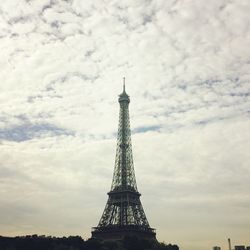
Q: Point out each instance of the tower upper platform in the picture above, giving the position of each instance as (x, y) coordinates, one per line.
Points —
(124, 97)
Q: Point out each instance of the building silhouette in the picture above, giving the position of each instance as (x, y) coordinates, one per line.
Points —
(123, 214)
(216, 248)
(241, 247)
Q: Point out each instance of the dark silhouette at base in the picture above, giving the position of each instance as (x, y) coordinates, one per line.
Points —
(35, 242)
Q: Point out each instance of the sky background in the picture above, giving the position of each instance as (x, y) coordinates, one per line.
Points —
(187, 68)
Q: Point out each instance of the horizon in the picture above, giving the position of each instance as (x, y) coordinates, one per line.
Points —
(187, 68)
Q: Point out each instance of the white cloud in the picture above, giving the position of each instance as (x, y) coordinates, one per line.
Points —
(187, 70)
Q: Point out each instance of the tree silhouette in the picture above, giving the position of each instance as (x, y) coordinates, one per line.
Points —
(35, 242)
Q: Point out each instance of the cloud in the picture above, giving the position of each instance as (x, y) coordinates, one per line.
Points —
(187, 72)
(27, 131)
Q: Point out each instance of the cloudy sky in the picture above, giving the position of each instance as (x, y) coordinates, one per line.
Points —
(187, 68)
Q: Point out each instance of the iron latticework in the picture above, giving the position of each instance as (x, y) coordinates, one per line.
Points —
(123, 213)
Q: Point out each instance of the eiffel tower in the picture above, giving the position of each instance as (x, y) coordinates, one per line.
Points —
(123, 214)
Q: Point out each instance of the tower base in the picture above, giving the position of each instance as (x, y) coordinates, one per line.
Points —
(116, 232)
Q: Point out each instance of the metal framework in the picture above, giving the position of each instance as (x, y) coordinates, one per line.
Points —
(123, 213)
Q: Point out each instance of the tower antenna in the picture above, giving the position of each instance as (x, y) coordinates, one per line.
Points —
(123, 84)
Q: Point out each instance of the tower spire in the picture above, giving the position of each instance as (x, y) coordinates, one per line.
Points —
(123, 213)
(124, 91)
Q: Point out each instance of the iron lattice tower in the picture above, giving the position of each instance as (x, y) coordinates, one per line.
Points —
(123, 214)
